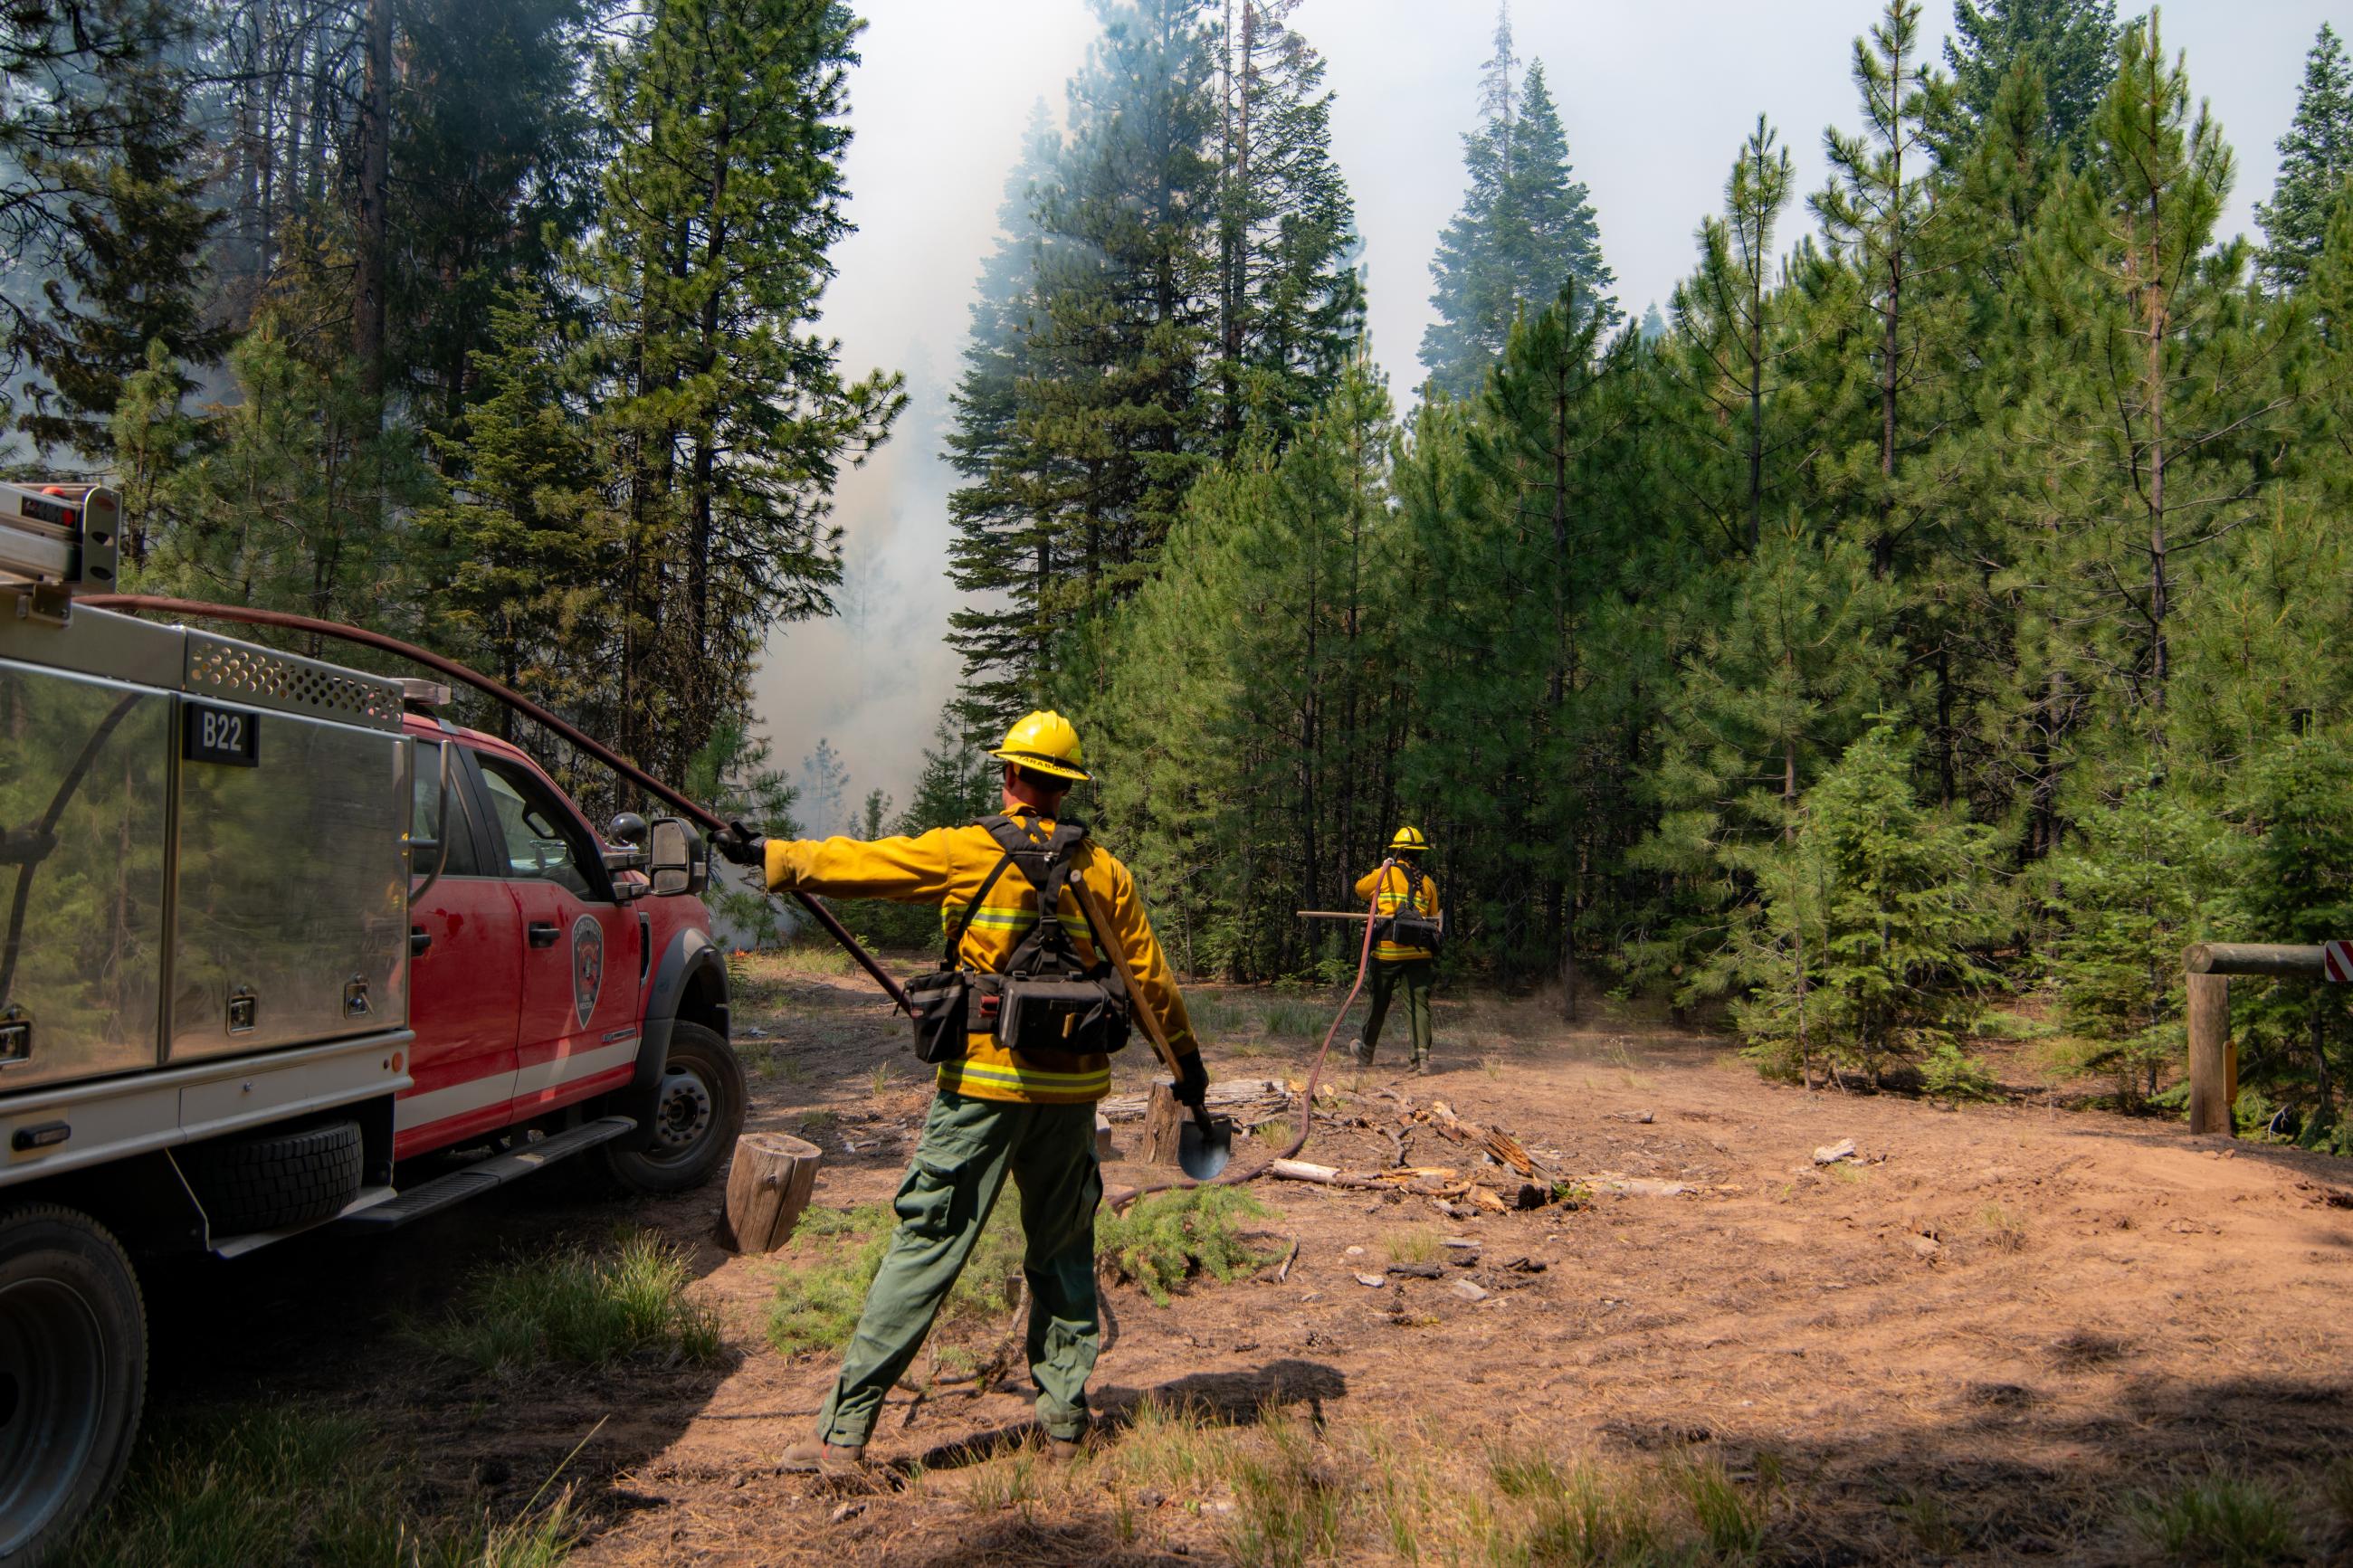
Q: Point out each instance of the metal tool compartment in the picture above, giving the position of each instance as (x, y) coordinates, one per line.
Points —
(291, 907)
(84, 767)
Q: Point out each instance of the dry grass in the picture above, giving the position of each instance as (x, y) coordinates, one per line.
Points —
(2004, 1231)
(1278, 1489)
(273, 1484)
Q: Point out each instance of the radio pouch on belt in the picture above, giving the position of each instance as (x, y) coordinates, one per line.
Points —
(1407, 926)
(1048, 999)
(942, 1000)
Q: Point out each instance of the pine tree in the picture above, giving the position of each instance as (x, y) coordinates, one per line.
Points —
(1113, 424)
(112, 195)
(1790, 663)
(491, 173)
(2071, 46)
(823, 791)
(1002, 553)
(1290, 304)
(726, 413)
(2167, 396)
(1543, 424)
(1732, 342)
(1865, 949)
(2137, 885)
(2315, 161)
(1882, 220)
(1526, 230)
(732, 773)
(287, 503)
(520, 560)
(956, 784)
(2295, 884)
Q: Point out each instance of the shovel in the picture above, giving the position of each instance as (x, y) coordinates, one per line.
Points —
(1205, 1145)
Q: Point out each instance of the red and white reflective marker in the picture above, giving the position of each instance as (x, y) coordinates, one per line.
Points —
(2336, 960)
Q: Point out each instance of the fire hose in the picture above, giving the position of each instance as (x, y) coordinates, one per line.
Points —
(512, 698)
(713, 823)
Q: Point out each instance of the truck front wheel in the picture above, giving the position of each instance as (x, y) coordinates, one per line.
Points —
(697, 1111)
(73, 1373)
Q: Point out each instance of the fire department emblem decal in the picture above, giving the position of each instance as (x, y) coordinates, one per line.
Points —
(588, 966)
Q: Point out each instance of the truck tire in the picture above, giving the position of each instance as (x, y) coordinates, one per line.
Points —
(697, 1111)
(73, 1374)
(276, 1180)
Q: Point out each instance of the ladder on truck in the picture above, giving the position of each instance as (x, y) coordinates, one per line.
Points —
(54, 540)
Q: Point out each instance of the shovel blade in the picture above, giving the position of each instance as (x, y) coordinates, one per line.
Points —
(1205, 1147)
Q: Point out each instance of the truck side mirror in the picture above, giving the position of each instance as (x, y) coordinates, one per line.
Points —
(670, 861)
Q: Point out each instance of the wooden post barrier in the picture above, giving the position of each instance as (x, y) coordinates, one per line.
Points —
(2213, 1056)
(2210, 1048)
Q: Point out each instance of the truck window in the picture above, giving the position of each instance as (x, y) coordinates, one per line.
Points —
(463, 861)
(543, 843)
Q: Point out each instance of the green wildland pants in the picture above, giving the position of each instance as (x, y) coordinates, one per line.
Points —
(1414, 974)
(967, 1149)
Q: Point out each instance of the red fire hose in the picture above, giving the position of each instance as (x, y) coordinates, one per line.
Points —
(514, 700)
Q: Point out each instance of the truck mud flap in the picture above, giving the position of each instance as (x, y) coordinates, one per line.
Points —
(441, 1192)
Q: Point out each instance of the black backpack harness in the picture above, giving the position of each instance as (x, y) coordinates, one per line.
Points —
(1406, 925)
(1046, 999)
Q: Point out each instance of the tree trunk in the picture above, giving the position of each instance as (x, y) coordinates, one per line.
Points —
(1163, 1127)
(375, 137)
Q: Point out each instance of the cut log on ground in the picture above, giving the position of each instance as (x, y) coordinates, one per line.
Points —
(1321, 1175)
(767, 1187)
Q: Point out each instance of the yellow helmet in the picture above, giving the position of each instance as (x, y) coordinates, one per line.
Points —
(1409, 841)
(1044, 742)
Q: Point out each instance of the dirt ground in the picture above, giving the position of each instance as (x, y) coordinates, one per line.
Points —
(1979, 1342)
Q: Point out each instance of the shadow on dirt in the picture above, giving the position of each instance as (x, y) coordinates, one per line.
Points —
(1963, 1485)
(1222, 1398)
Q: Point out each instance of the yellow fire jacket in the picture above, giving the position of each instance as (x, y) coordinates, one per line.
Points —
(947, 866)
(1393, 893)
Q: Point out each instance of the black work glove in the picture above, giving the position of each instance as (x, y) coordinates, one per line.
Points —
(740, 845)
(26, 846)
(1192, 1080)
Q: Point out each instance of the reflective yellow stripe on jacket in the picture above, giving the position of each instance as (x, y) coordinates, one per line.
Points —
(1393, 893)
(947, 867)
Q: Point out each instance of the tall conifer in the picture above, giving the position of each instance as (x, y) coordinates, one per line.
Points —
(2315, 162)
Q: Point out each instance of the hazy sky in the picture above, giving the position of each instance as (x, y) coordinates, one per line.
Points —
(1655, 98)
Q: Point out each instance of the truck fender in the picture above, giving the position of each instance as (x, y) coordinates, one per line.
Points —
(689, 981)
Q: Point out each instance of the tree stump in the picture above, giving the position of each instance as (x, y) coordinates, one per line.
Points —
(1163, 1127)
(767, 1187)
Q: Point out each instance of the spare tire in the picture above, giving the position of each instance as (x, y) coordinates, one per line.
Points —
(276, 1180)
(73, 1374)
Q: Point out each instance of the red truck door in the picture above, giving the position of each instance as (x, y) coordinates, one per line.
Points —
(465, 987)
(579, 1029)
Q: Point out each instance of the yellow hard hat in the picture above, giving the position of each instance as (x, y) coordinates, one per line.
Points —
(1044, 742)
(1410, 841)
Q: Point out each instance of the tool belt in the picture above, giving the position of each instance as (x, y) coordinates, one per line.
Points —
(1046, 999)
(1406, 925)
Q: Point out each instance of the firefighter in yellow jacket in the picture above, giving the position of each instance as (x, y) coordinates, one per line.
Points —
(1400, 886)
(1029, 1114)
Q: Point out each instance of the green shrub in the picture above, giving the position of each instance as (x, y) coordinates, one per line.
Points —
(1163, 1239)
(1949, 1073)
